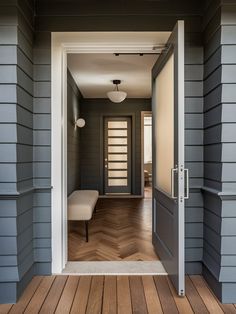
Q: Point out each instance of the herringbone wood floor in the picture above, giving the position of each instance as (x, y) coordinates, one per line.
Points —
(120, 230)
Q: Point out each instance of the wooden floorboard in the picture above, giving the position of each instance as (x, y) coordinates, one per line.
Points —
(81, 296)
(115, 294)
(121, 229)
(110, 296)
(94, 305)
(206, 295)
(26, 296)
(137, 295)
(165, 295)
(123, 295)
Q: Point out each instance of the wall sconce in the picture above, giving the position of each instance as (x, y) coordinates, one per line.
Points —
(80, 123)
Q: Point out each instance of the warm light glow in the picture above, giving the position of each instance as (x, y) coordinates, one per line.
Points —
(80, 123)
(116, 96)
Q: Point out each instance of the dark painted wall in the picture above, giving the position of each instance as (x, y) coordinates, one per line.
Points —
(73, 135)
(219, 256)
(25, 129)
(93, 111)
(148, 15)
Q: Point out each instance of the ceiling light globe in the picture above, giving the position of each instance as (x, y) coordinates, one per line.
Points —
(117, 96)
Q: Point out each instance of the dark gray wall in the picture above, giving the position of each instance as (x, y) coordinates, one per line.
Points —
(149, 15)
(25, 212)
(219, 256)
(194, 152)
(16, 145)
(73, 135)
(91, 148)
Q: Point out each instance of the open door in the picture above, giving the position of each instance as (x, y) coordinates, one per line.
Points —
(168, 158)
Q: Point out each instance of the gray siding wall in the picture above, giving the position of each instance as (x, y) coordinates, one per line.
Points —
(194, 152)
(73, 135)
(23, 141)
(219, 256)
(93, 111)
(151, 16)
(42, 152)
(16, 146)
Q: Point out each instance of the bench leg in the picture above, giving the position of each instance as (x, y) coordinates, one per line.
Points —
(86, 230)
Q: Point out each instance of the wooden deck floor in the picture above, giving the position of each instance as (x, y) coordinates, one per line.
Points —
(111, 294)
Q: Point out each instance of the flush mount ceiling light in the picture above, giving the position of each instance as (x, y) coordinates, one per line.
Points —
(116, 95)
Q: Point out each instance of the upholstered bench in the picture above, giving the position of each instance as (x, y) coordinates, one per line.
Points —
(80, 206)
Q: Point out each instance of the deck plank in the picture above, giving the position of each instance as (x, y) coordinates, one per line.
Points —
(67, 296)
(165, 295)
(123, 295)
(206, 295)
(182, 303)
(81, 296)
(41, 293)
(20, 306)
(109, 296)
(151, 295)
(53, 297)
(194, 298)
(5, 308)
(95, 297)
(137, 295)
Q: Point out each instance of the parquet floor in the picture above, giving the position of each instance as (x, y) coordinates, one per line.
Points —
(120, 230)
(111, 295)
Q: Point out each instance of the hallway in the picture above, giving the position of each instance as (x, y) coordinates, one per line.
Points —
(119, 230)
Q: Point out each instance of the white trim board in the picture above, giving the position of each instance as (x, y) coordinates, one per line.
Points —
(115, 268)
(62, 44)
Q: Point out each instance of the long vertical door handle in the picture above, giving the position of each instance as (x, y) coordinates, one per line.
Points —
(186, 176)
(173, 171)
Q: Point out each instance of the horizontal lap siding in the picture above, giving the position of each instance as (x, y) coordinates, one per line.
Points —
(16, 162)
(61, 17)
(42, 153)
(219, 152)
(194, 153)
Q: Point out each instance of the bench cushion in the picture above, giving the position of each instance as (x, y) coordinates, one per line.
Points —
(81, 204)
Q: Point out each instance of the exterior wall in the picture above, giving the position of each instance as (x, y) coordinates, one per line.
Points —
(16, 145)
(25, 190)
(194, 152)
(150, 16)
(220, 150)
(93, 110)
(42, 154)
(73, 135)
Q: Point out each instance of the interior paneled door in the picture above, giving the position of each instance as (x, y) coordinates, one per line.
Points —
(117, 155)
(168, 158)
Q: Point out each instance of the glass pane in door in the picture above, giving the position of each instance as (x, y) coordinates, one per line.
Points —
(164, 120)
(117, 154)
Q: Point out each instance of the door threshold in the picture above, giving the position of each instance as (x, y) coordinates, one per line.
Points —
(114, 268)
(120, 196)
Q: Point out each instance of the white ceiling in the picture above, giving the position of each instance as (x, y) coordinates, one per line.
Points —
(94, 72)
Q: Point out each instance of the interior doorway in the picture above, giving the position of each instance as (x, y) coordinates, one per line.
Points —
(126, 42)
(117, 155)
(146, 138)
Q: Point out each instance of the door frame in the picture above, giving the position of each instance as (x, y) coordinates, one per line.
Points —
(143, 114)
(63, 43)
